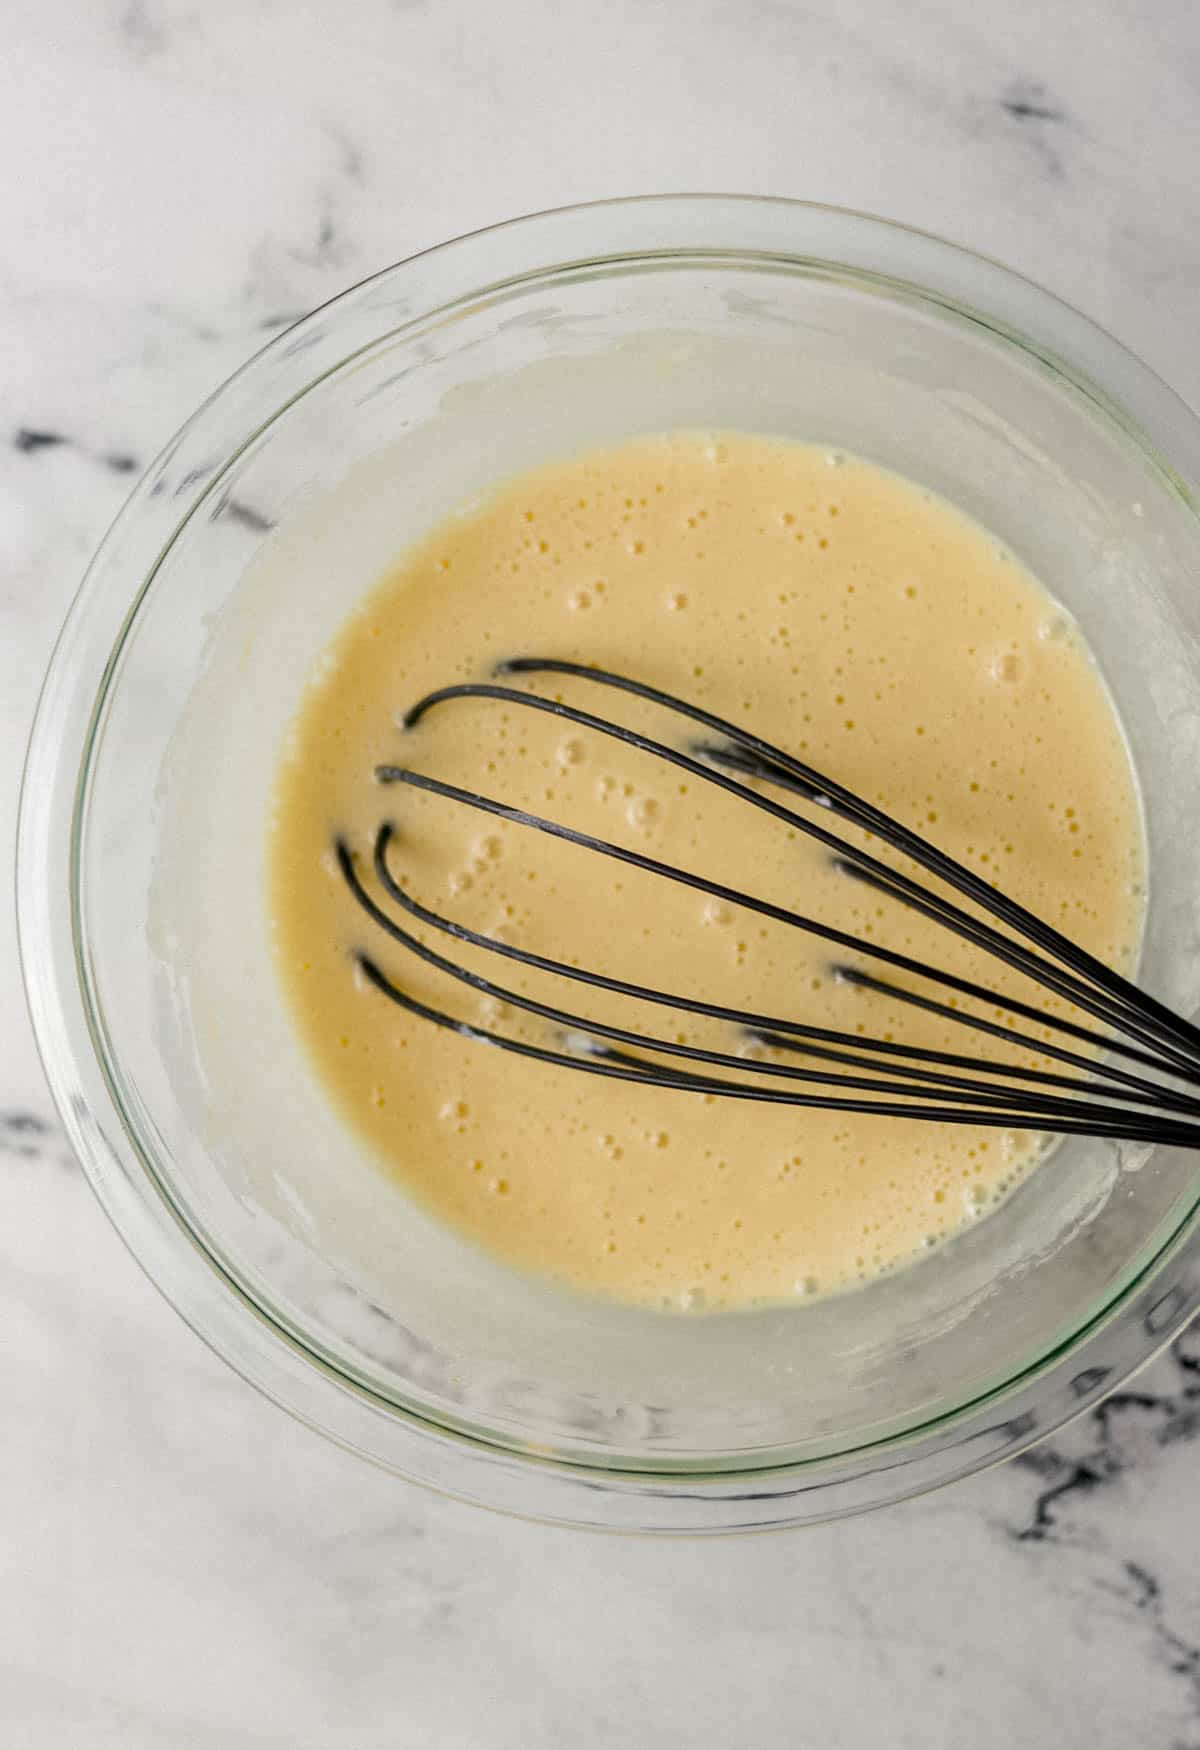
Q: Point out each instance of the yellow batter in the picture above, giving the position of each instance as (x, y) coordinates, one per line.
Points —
(838, 611)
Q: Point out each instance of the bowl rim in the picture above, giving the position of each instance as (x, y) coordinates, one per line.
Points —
(1000, 1420)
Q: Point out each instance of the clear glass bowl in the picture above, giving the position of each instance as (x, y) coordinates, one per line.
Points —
(141, 853)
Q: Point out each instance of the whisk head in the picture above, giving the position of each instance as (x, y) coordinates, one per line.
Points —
(1124, 1069)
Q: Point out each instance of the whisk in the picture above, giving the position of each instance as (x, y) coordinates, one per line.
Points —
(1126, 1078)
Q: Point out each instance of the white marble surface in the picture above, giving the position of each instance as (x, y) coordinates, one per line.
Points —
(179, 1564)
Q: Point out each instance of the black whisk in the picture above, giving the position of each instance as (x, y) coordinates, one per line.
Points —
(849, 1072)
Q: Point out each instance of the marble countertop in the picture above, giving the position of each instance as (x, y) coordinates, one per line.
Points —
(180, 1565)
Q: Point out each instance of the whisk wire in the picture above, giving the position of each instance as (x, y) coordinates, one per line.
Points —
(878, 1075)
(822, 788)
(1119, 1004)
(755, 1025)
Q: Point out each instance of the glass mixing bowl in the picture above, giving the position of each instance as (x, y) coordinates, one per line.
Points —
(146, 796)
